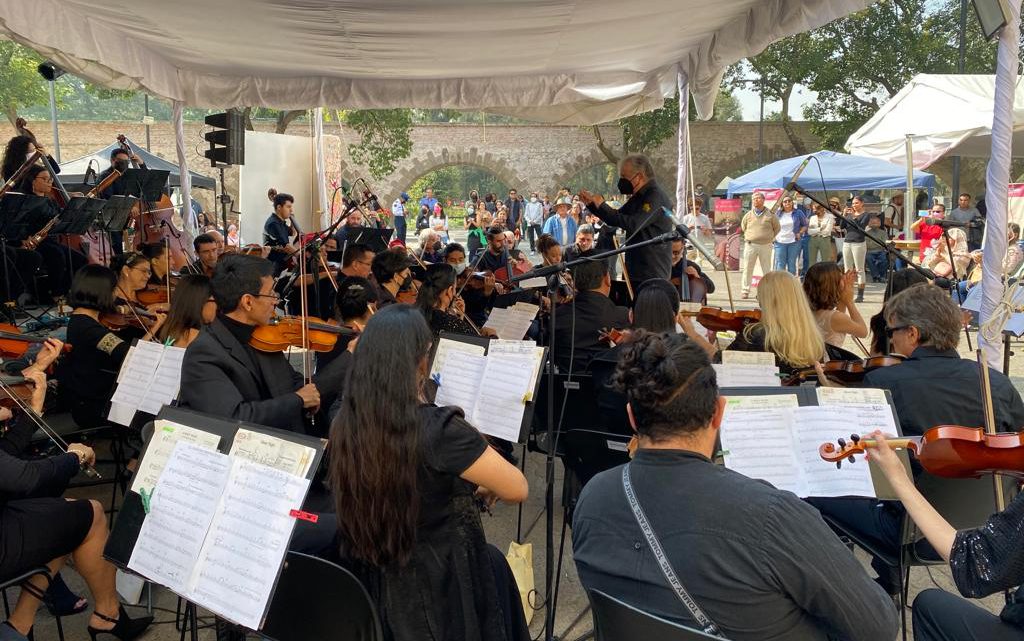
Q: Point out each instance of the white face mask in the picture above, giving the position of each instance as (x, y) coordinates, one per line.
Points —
(533, 200)
(461, 267)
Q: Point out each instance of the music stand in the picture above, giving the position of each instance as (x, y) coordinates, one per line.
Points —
(376, 239)
(113, 216)
(78, 215)
(145, 184)
(19, 213)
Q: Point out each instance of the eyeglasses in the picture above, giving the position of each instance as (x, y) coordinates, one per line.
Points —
(145, 270)
(889, 331)
(275, 296)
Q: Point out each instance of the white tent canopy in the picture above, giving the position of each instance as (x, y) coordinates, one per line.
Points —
(567, 61)
(945, 114)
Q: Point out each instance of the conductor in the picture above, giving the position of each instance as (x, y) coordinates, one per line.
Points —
(642, 218)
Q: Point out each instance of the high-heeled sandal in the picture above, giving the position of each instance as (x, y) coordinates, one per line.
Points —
(125, 628)
(61, 601)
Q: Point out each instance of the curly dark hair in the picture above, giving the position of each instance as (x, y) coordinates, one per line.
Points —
(669, 383)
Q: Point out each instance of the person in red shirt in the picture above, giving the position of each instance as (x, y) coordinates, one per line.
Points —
(928, 233)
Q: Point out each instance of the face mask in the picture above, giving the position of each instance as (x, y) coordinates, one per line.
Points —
(406, 283)
(625, 186)
(121, 165)
(461, 267)
(533, 200)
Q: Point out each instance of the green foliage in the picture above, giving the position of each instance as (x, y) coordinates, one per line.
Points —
(456, 181)
(20, 83)
(383, 138)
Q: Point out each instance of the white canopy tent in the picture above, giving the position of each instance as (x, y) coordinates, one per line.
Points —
(944, 115)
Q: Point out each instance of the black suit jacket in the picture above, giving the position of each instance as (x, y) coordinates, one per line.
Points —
(577, 333)
(222, 377)
(642, 215)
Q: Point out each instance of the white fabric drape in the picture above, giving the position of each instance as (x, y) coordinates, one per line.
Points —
(682, 85)
(997, 178)
(321, 167)
(188, 220)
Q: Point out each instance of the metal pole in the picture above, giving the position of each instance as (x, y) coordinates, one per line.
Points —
(910, 200)
(53, 121)
(146, 98)
(960, 65)
(760, 127)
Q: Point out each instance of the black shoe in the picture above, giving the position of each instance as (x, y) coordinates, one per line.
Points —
(124, 628)
(61, 601)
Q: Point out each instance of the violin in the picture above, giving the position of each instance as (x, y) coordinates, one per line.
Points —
(153, 295)
(949, 451)
(614, 336)
(15, 395)
(14, 344)
(287, 331)
(720, 320)
(846, 371)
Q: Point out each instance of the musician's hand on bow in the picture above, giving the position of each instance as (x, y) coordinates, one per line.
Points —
(692, 271)
(38, 380)
(85, 453)
(823, 380)
(310, 396)
(5, 414)
(488, 331)
(488, 283)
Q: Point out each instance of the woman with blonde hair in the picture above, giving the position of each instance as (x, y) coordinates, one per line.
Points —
(787, 327)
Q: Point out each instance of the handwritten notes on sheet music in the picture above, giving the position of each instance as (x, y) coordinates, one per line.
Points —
(770, 438)
(218, 530)
(286, 456)
(166, 435)
(149, 379)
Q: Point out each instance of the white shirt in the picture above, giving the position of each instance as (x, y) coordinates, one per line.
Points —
(699, 222)
(398, 207)
(785, 235)
(534, 213)
(821, 226)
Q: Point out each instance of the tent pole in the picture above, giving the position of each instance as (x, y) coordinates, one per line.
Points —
(997, 180)
(682, 139)
(911, 197)
(188, 221)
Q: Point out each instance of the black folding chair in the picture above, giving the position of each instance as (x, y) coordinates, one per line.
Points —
(618, 621)
(19, 580)
(317, 599)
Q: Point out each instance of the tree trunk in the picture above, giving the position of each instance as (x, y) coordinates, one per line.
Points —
(787, 125)
(247, 118)
(12, 113)
(285, 118)
(605, 149)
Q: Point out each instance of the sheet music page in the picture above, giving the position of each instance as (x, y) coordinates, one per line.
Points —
(512, 323)
(761, 402)
(182, 508)
(506, 380)
(529, 347)
(850, 396)
(817, 425)
(127, 357)
(136, 371)
(287, 456)
(738, 357)
(238, 565)
(446, 346)
(165, 381)
(758, 443)
(747, 375)
(458, 382)
(167, 434)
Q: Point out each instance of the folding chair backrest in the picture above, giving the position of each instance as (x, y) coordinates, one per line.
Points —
(316, 599)
(618, 621)
(589, 452)
(964, 503)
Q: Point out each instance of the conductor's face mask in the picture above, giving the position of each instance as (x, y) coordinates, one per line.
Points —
(625, 185)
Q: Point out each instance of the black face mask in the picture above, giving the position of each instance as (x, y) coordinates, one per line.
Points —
(406, 283)
(121, 165)
(437, 246)
(625, 186)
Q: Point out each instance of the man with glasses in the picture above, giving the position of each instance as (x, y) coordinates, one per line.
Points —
(224, 376)
(357, 260)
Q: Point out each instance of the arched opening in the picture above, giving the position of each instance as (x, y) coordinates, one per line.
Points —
(600, 179)
(452, 185)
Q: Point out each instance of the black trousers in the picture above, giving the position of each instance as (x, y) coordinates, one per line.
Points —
(533, 232)
(22, 265)
(941, 616)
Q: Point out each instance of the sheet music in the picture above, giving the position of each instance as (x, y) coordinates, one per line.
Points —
(850, 396)
(237, 567)
(512, 322)
(166, 435)
(529, 347)
(738, 357)
(271, 451)
(506, 379)
(759, 443)
(446, 346)
(166, 381)
(149, 378)
(747, 375)
(817, 425)
(182, 508)
(460, 379)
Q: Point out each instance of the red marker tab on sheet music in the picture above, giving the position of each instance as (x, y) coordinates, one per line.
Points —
(305, 516)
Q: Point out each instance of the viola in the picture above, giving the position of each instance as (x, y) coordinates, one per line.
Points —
(14, 344)
(614, 336)
(846, 371)
(153, 295)
(720, 320)
(15, 395)
(286, 331)
(949, 451)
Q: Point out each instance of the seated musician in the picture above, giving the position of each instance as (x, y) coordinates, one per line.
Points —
(831, 295)
(356, 261)
(430, 247)
(391, 272)
(319, 281)
(758, 562)
(679, 260)
(982, 560)
(133, 273)
(223, 375)
(156, 254)
(192, 306)
(933, 387)
(87, 374)
(281, 232)
(355, 304)
(495, 256)
(60, 261)
(441, 306)
(579, 323)
(206, 255)
(479, 292)
(787, 327)
(404, 474)
(584, 243)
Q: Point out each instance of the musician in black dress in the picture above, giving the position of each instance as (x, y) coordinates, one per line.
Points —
(60, 260)
(443, 309)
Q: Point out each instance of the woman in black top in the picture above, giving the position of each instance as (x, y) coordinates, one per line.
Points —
(444, 311)
(61, 261)
(192, 306)
(404, 474)
(156, 254)
(87, 374)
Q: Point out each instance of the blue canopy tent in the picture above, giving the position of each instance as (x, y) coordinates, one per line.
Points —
(838, 172)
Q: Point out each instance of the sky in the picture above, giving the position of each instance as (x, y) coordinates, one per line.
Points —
(750, 101)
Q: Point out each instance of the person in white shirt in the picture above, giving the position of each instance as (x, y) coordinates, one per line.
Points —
(439, 223)
(700, 227)
(819, 227)
(398, 212)
(534, 216)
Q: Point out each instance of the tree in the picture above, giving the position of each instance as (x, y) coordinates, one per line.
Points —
(20, 83)
(643, 132)
(383, 138)
(779, 69)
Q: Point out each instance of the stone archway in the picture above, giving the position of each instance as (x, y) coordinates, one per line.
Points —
(420, 166)
(580, 163)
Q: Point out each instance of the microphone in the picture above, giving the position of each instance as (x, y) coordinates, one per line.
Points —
(791, 186)
(942, 222)
(684, 233)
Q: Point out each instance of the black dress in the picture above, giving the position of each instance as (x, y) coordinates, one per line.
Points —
(87, 374)
(448, 590)
(444, 322)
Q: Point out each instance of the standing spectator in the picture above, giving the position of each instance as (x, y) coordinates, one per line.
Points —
(561, 226)
(855, 244)
(490, 203)
(702, 198)
(792, 227)
(966, 213)
(699, 224)
(893, 214)
(759, 229)
(546, 206)
(819, 233)
(533, 216)
(576, 212)
(398, 212)
(514, 208)
(439, 223)
(428, 200)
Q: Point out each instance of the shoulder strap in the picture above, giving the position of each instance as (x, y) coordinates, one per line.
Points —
(705, 623)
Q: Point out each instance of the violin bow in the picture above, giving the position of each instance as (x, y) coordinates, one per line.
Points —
(45, 428)
(131, 309)
(625, 272)
(990, 423)
(167, 276)
(476, 264)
